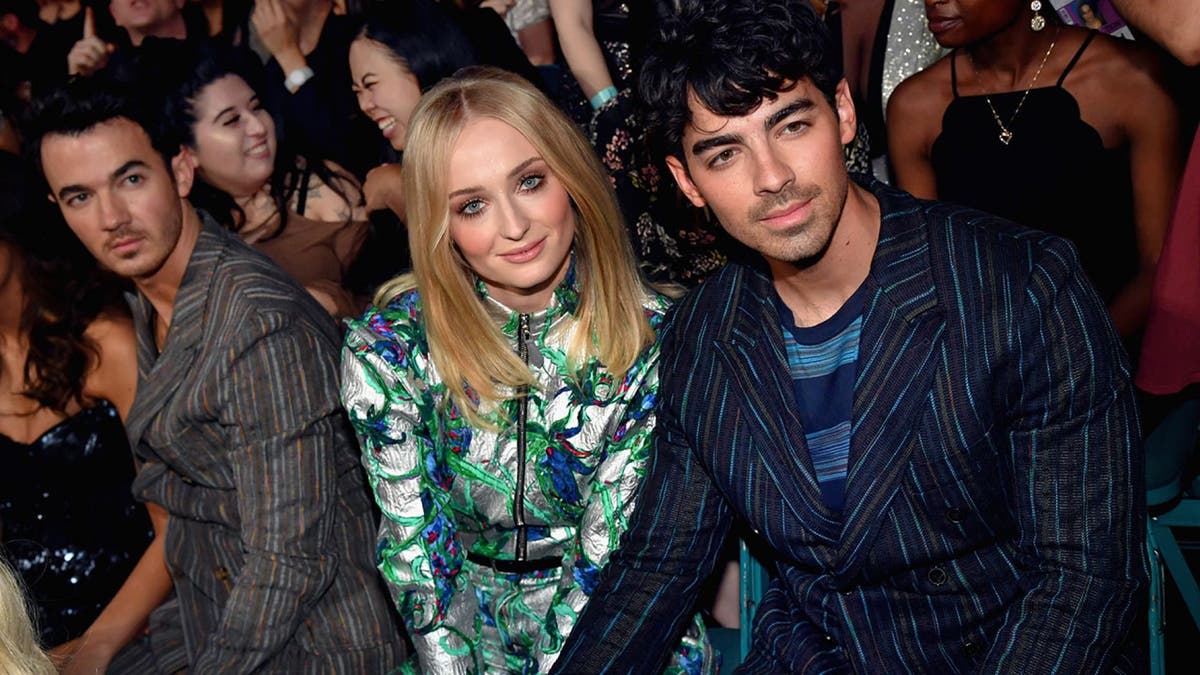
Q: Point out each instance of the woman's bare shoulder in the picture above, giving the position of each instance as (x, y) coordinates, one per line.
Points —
(113, 376)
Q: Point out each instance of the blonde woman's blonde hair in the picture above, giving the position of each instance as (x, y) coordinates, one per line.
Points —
(20, 653)
(464, 342)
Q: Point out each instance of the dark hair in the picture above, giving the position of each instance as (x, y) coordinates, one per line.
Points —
(180, 72)
(83, 103)
(26, 11)
(732, 54)
(64, 291)
(421, 36)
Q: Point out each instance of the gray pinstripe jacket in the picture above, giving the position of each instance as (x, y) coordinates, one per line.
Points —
(242, 439)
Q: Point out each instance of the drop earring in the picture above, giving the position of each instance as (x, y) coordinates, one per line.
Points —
(1038, 22)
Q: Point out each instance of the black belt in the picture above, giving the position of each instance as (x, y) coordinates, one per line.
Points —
(515, 566)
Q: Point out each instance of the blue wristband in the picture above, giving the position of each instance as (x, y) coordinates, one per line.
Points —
(603, 96)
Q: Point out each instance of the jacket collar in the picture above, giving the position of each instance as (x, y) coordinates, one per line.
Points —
(160, 373)
(902, 328)
(563, 302)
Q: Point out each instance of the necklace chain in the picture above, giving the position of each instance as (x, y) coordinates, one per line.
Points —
(1006, 134)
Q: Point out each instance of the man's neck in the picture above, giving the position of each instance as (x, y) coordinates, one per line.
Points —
(162, 287)
(817, 292)
(174, 28)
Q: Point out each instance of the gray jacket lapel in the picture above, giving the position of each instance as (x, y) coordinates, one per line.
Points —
(161, 373)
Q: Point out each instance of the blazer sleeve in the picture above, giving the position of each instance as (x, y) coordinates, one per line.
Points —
(418, 551)
(647, 592)
(283, 423)
(1078, 479)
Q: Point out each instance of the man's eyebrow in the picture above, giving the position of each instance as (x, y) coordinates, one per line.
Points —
(716, 141)
(125, 168)
(797, 106)
(69, 190)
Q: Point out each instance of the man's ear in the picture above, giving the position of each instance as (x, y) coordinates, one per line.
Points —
(847, 115)
(183, 167)
(684, 180)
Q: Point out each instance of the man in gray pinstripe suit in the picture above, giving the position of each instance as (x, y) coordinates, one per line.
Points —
(923, 411)
(236, 424)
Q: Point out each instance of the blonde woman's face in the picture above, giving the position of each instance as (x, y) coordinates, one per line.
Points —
(510, 216)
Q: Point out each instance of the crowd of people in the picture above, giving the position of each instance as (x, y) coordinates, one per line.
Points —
(372, 336)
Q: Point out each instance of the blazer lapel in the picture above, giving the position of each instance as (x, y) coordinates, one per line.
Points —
(161, 373)
(898, 356)
(751, 348)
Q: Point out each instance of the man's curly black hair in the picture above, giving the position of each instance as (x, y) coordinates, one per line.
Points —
(732, 54)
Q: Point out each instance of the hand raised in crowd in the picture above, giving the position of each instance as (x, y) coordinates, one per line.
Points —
(90, 53)
(383, 189)
(500, 7)
(279, 32)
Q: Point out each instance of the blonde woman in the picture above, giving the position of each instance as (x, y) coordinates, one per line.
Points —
(19, 650)
(503, 392)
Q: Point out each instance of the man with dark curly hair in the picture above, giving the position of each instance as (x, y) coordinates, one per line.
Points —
(922, 411)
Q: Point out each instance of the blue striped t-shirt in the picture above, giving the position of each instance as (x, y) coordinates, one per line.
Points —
(823, 361)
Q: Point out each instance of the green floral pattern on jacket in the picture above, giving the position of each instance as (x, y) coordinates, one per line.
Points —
(448, 489)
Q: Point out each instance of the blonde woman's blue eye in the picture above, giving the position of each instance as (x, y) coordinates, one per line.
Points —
(471, 208)
(531, 182)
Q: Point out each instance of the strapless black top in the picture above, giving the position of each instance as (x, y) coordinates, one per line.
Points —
(68, 522)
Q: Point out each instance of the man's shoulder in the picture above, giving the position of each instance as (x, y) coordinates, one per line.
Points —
(710, 310)
(960, 238)
(247, 286)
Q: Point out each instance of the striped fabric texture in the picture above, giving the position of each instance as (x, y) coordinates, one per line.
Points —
(822, 361)
(242, 439)
(994, 514)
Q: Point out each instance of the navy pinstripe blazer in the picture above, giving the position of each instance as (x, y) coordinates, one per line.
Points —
(994, 512)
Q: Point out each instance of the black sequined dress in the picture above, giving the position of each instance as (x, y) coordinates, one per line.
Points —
(68, 522)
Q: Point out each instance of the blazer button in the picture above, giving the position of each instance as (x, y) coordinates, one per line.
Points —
(938, 576)
(971, 648)
(955, 515)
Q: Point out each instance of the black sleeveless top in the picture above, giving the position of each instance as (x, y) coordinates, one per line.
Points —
(70, 526)
(1055, 175)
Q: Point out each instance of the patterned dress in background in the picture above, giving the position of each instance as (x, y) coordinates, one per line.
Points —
(674, 242)
(447, 489)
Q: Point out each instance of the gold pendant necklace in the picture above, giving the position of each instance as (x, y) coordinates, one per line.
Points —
(1006, 134)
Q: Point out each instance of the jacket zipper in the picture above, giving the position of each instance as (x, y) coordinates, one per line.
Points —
(522, 546)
